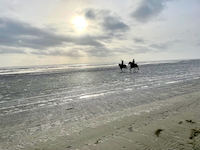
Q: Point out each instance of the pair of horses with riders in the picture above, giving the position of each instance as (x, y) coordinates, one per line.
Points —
(132, 65)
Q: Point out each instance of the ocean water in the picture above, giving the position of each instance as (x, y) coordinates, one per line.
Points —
(52, 96)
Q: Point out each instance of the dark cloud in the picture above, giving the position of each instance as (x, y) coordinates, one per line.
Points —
(148, 9)
(99, 52)
(20, 34)
(159, 46)
(12, 27)
(108, 20)
(112, 24)
(139, 40)
(90, 14)
(6, 50)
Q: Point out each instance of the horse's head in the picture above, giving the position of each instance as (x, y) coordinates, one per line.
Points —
(129, 63)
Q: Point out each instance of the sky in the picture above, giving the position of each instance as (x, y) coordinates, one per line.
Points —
(45, 32)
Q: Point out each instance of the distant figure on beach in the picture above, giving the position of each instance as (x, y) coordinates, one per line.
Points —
(122, 66)
(133, 65)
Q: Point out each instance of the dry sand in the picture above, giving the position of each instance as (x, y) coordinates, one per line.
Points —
(131, 129)
(135, 128)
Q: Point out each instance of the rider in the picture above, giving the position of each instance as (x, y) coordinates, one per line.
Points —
(122, 62)
(133, 61)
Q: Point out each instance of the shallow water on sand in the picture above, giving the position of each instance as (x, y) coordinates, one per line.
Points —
(51, 96)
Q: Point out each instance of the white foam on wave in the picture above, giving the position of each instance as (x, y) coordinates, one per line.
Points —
(2, 102)
(171, 82)
(129, 89)
(196, 77)
(144, 87)
(89, 96)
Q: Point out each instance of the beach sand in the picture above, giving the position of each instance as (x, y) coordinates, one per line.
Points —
(135, 129)
(176, 122)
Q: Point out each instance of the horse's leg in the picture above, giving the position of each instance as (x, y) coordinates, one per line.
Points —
(121, 69)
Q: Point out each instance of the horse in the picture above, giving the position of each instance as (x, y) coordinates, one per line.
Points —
(121, 66)
(133, 65)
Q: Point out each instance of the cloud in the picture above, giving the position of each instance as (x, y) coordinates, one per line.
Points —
(90, 14)
(77, 52)
(139, 40)
(88, 42)
(132, 50)
(8, 50)
(21, 34)
(12, 27)
(99, 52)
(113, 23)
(142, 49)
(148, 9)
(26, 37)
(71, 53)
(164, 45)
(106, 19)
(159, 46)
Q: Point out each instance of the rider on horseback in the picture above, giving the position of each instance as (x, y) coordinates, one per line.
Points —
(122, 65)
(133, 65)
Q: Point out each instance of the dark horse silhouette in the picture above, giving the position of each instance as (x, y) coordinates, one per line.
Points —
(133, 65)
(121, 66)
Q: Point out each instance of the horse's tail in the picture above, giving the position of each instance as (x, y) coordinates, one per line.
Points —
(138, 67)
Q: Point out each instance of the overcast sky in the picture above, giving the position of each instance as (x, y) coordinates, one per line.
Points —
(42, 32)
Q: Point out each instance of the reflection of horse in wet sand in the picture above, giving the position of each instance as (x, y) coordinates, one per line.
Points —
(133, 65)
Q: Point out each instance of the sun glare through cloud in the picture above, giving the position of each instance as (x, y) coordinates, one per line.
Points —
(80, 22)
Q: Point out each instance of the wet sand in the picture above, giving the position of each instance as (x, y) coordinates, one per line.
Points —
(176, 120)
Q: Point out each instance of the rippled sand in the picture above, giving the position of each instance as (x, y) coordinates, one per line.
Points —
(131, 128)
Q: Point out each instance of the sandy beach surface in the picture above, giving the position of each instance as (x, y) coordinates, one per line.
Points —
(168, 124)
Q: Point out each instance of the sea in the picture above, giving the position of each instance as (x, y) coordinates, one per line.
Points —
(37, 98)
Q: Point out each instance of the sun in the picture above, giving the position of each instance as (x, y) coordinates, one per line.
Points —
(80, 22)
